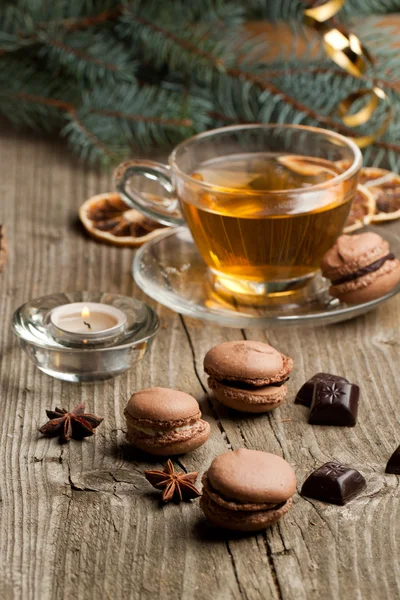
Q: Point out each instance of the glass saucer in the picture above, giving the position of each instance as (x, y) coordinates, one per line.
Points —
(170, 270)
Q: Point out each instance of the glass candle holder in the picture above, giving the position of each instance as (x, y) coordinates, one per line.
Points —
(51, 334)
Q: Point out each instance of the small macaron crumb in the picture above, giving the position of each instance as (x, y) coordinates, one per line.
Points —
(361, 268)
(248, 376)
(165, 422)
(247, 490)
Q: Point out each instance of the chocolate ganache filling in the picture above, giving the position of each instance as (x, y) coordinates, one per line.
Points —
(365, 270)
(241, 385)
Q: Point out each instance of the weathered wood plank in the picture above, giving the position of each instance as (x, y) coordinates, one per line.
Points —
(80, 520)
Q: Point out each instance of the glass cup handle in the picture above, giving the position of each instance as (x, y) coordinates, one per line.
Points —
(165, 210)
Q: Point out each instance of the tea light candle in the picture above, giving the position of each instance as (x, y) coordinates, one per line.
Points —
(87, 322)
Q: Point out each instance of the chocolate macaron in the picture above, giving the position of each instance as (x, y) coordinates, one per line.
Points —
(163, 421)
(361, 268)
(248, 376)
(247, 490)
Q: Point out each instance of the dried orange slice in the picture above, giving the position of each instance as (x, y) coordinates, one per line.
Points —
(342, 165)
(107, 218)
(362, 209)
(385, 188)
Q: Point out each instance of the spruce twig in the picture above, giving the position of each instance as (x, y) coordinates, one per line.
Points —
(72, 109)
(83, 55)
(143, 71)
(318, 70)
(263, 85)
(101, 18)
(97, 143)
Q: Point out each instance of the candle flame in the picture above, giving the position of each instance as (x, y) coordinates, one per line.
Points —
(85, 312)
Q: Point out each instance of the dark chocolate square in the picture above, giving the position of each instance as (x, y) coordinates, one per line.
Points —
(305, 393)
(393, 465)
(333, 483)
(334, 403)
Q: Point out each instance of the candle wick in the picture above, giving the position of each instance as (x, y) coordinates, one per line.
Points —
(88, 325)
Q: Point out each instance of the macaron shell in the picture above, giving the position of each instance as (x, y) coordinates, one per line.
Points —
(353, 252)
(252, 476)
(163, 424)
(256, 400)
(282, 375)
(162, 404)
(370, 289)
(173, 447)
(230, 504)
(243, 359)
(241, 520)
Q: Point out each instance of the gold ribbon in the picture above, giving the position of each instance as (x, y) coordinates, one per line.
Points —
(346, 50)
(325, 11)
(376, 95)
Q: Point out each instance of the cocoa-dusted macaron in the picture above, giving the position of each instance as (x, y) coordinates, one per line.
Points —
(163, 421)
(248, 376)
(361, 268)
(247, 490)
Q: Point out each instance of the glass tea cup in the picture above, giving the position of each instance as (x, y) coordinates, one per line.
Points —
(263, 202)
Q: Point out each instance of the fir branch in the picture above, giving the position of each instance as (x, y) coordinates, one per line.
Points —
(142, 118)
(51, 102)
(72, 110)
(78, 24)
(83, 55)
(236, 72)
(183, 43)
(293, 10)
(102, 149)
(386, 144)
(197, 68)
(326, 70)
(223, 118)
(304, 109)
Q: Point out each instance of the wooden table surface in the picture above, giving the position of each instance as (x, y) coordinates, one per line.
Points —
(80, 521)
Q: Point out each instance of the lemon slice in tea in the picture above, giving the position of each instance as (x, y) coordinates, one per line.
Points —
(107, 218)
(307, 165)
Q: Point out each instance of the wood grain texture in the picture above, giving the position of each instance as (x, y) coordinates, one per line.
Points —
(80, 520)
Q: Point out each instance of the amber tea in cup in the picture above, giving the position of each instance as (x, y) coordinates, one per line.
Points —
(263, 203)
(243, 235)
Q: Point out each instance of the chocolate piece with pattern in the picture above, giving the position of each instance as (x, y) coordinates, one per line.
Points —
(305, 393)
(333, 483)
(334, 403)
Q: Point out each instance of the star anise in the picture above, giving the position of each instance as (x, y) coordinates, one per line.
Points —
(74, 424)
(175, 485)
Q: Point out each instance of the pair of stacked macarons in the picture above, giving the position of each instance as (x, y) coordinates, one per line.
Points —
(247, 490)
(244, 490)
